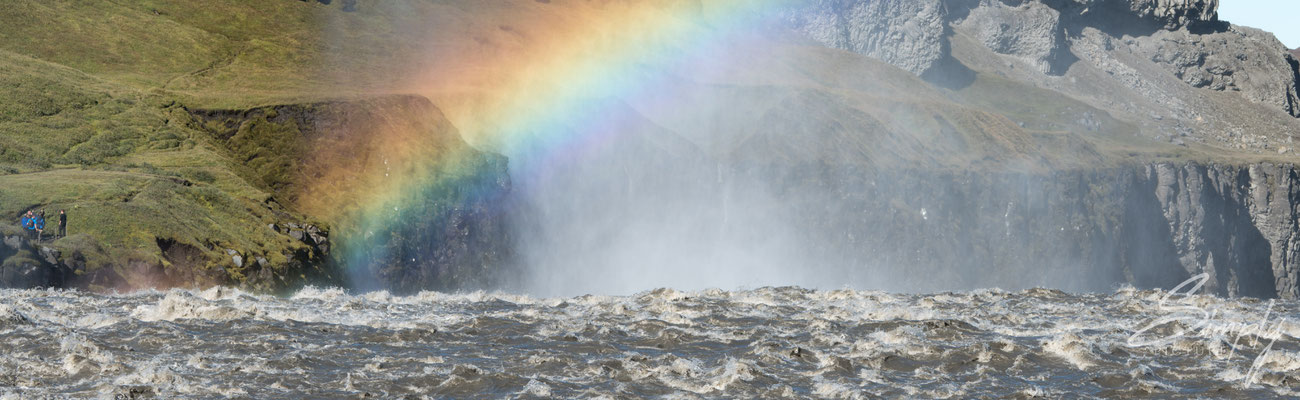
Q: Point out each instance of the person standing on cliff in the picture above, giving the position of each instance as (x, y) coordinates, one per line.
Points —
(29, 223)
(27, 220)
(40, 226)
(63, 224)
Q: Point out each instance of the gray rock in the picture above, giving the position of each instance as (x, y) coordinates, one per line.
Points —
(1242, 60)
(1031, 31)
(909, 34)
(297, 234)
(317, 238)
(1183, 37)
(238, 260)
(13, 242)
(1173, 14)
(50, 255)
(26, 275)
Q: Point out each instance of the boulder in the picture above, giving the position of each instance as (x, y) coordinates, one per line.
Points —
(1031, 31)
(50, 255)
(13, 242)
(909, 34)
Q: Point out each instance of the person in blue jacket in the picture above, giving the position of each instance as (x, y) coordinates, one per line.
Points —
(40, 225)
(29, 223)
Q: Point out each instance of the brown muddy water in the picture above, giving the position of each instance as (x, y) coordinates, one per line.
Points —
(762, 343)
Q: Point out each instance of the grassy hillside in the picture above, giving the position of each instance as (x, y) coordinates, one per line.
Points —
(88, 124)
(96, 103)
(129, 170)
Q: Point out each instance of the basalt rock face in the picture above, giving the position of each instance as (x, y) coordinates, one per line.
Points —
(908, 34)
(1168, 14)
(1237, 224)
(1031, 31)
(1151, 225)
(1149, 60)
(913, 34)
(27, 265)
(456, 238)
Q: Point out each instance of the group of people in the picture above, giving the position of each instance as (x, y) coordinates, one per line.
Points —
(34, 223)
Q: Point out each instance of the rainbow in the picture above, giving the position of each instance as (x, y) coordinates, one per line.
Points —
(532, 99)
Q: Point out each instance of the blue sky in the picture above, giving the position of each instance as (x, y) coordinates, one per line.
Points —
(1282, 17)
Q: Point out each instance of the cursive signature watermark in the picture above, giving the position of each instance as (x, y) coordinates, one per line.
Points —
(1187, 320)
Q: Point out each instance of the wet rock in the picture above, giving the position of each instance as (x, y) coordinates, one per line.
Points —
(1085, 230)
(25, 274)
(843, 364)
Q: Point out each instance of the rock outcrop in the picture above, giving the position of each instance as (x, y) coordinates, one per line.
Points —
(68, 263)
(906, 33)
(1238, 224)
(1148, 53)
(1031, 31)
(28, 265)
(412, 205)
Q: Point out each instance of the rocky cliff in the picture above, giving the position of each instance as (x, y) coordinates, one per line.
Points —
(1150, 225)
(1169, 72)
(1154, 62)
(413, 206)
(72, 263)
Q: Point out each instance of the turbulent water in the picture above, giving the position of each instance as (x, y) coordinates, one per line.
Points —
(763, 343)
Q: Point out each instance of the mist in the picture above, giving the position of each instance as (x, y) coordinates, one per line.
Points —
(755, 157)
(630, 214)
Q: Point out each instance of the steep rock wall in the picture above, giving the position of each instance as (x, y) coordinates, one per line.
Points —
(1151, 62)
(1149, 226)
(906, 33)
(412, 205)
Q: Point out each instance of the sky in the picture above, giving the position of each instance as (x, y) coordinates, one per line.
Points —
(1282, 17)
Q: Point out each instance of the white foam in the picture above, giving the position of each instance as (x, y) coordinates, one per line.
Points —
(179, 305)
(835, 390)
(536, 388)
(1072, 348)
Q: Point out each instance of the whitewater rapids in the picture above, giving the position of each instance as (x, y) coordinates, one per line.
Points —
(762, 343)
